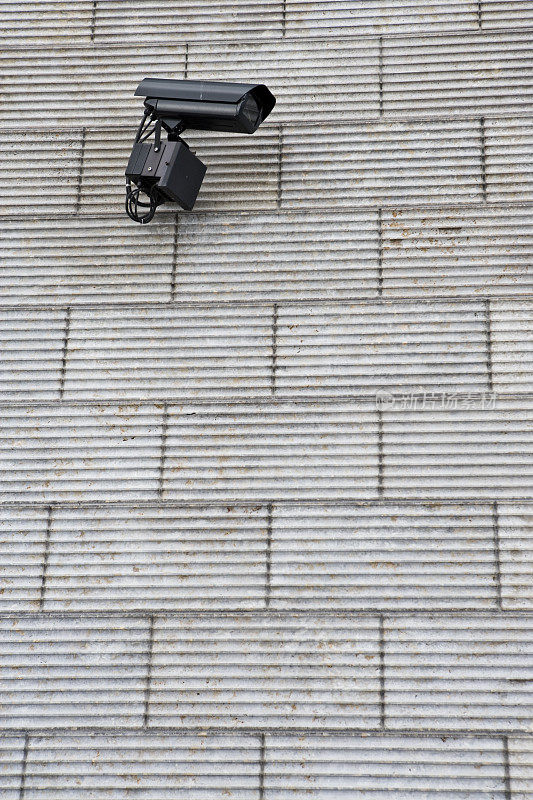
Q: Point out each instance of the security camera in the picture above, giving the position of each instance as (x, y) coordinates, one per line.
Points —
(169, 170)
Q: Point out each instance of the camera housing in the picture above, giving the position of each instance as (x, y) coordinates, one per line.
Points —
(207, 105)
(170, 171)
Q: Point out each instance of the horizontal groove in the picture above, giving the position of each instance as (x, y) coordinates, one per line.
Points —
(517, 119)
(467, 735)
(23, 411)
(142, 615)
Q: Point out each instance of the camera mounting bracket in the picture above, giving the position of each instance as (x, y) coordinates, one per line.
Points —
(163, 171)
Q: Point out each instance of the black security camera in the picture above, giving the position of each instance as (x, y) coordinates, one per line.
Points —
(169, 170)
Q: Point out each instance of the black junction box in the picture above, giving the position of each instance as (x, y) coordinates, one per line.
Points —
(173, 168)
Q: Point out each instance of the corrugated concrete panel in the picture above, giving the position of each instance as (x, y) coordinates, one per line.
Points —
(378, 163)
(157, 558)
(11, 759)
(57, 452)
(481, 252)
(478, 448)
(166, 21)
(459, 673)
(506, 14)
(66, 261)
(376, 17)
(296, 255)
(512, 345)
(360, 349)
(425, 253)
(274, 451)
(317, 81)
(261, 671)
(169, 353)
(515, 531)
(35, 22)
(242, 171)
(283, 256)
(322, 767)
(508, 168)
(521, 768)
(57, 673)
(489, 74)
(382, 557)
(31, 354)
(23, 536)
(81, 86)
(381, 163)
(146, 766)
(40, 171)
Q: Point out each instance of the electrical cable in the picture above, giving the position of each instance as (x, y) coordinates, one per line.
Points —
(133, 204)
